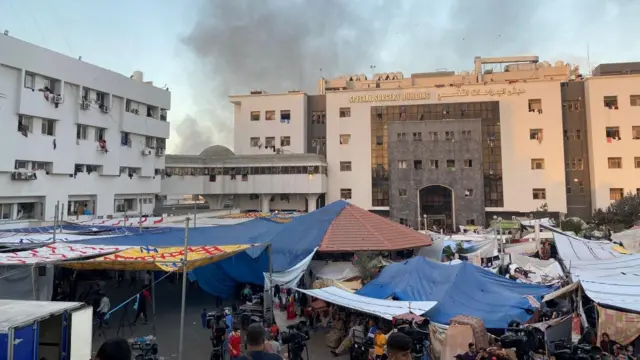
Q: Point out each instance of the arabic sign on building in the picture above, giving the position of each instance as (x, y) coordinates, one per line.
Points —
(482, 92)
(409, 96)
(416, 96)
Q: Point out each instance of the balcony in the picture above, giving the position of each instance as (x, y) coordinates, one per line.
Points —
(140, 124)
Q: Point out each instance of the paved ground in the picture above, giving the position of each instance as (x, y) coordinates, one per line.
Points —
(167, 329)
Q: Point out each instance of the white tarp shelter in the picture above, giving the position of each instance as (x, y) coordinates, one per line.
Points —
(574, 250)
(386, 309)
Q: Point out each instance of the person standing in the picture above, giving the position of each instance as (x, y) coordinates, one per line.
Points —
(103, 309)
(399, 346)
(143, 298)
(255, 345)
(235, 342)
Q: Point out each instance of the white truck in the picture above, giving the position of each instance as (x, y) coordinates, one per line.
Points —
(51, 330)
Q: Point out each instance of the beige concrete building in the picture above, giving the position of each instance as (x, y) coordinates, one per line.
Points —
(510, 136)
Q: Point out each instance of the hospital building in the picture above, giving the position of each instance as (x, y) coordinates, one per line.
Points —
(511, 135)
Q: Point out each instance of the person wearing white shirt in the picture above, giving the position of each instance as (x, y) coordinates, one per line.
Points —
(103, 309)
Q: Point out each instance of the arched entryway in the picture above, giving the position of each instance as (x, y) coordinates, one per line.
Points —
(436, 206)
(320, 202)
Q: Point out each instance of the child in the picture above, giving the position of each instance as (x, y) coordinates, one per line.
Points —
(379, 342)
(234, 343)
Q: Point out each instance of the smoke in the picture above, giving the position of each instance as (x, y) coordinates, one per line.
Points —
(279, 45)
(194, 136)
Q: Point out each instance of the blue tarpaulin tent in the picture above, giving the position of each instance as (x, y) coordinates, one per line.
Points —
(291, 243)
(461, 289)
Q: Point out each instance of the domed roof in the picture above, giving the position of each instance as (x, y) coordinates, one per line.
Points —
(217, 151)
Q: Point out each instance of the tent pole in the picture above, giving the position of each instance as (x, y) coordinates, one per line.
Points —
(271, 315)
(153, 301)
(55, 221)
(184, 287)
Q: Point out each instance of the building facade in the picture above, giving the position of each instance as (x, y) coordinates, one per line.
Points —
(510, 137)
(263, 182)
(76, 134)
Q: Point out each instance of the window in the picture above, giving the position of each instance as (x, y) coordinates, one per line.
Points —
(468, 163)
(537, 164)
(29, 81)
(611, 102)
(402, 164)
(379, 140)
(468, 193)
(345, 165)
(613, 132)
(535, 134)
(401, 136)
(285, 140)
(575, 164)
(125, 139)
(614, 163)
(100, 97)
(270, 115)
(5, 211)
(318, 117)
(270, 142)
(100, 135)
(345, 112)
(634, 100)
(635, 132)
(255, 116)
(254, 142)
(434, 164)
(571, 105)
(417, 164)
(578, 134)
(212, 178)
(637, 191)
(123, 205)
(451, 164)
(616, 194)
(345, 139)
(48, 127)
(581, 187)
(417, 136)
(465, 134)
(345, 194)
(535, 105)
(244, 177)
(81, 132)
(285, 116)
(449, 135)
(21, 165)
(539, 194)
(25, 124)
(636, 162)
(36, 165)
(433, 135)
(402, 192)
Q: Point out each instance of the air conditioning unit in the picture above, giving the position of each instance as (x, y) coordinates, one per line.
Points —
(146, 151)
(86, 105)
(23, 175)
(104, 109)
(57, 99)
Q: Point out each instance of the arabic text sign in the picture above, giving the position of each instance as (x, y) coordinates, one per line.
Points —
(54, 252)
(482, 92)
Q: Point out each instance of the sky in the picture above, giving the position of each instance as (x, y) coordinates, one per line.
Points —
(205, 50)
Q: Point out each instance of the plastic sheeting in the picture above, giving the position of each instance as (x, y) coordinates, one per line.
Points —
(550, 269)
(55, 253)
(337, 271)
(573, 249)
(25, 282)
(386, 309)
(629, 238)
(35, 239)
(461, 289)
(289, 278)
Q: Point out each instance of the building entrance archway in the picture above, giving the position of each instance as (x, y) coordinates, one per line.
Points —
(436, 206)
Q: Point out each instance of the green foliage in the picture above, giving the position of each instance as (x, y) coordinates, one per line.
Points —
(621, 214)
(574, 225)
(541, 212)
(367, 265)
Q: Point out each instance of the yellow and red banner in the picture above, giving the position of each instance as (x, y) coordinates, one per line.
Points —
(153, 259)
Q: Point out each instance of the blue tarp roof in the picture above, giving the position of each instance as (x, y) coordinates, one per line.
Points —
(81, 228)
(461, 289)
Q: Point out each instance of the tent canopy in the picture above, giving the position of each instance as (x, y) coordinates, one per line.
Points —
(387, 309)
(154, 259)
(461, 289)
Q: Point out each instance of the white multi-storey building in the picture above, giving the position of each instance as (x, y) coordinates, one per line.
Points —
(513, 136)
(76, 134)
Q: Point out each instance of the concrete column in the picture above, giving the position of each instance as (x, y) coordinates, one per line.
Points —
(265, 202)
(311, 202)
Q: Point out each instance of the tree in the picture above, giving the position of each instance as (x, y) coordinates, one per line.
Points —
(573, 224)
(621, 214)
(541, 212)
(367, 265)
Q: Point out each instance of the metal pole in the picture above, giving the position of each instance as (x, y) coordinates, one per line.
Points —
(270, 252)
(184, 287)
(61, 218)
(55, 221)
(195, 210)
(501, 243)
(153, 302)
